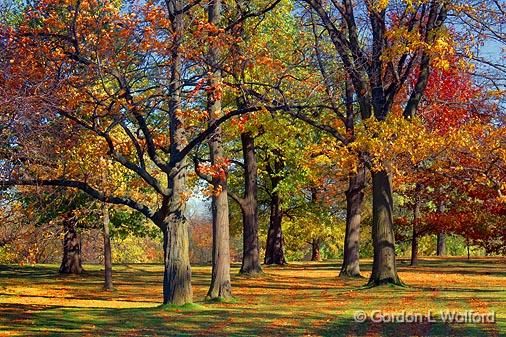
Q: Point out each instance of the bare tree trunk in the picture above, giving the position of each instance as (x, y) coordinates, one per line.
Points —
(414, 247)
(250, 255)
(468, 248)
(274, 247)
(220, 287)
(177, 288)
(71, 261)
(107, 250)
(441, 244)
(441, 237)
(384, 267)
(171, 218)
(315, 250)
(415, 236)
(354, 199)
(274, 252)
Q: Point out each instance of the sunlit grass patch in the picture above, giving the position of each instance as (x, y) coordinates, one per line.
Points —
(294, 300)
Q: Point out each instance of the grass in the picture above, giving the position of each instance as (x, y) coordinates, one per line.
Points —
(301, 299)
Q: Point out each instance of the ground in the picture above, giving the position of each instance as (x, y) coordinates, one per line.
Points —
(301, 299)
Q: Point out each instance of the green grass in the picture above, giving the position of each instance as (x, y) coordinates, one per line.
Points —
(300, 299)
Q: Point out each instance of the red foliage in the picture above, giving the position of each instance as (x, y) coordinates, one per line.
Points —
(452, 99)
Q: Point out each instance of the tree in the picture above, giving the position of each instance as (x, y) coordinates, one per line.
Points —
(73, 212)
(274, 253)
(108, 285)
(120, 81)
(220, 281)
(377, 74)
(313, 222)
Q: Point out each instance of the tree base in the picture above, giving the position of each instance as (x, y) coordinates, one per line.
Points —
(223, 292)
(386, 281)
(275, 263)
(349, 274)
(71, 271)
(253, 272)
(183, 307)
(220, 299)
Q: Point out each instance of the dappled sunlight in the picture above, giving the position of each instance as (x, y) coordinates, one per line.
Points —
(293, 300)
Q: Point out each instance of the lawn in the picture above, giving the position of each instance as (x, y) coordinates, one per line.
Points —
(300, 299)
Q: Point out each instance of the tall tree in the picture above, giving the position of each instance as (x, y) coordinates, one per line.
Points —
(377, 75)
(121, 82)
(108, 285)
(221, 286)
(274, 253)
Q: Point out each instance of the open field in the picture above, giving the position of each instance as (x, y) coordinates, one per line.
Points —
(296, 300)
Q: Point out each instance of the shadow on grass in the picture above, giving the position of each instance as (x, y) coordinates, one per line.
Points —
(159, 320)
(293, 300)
(348, 327)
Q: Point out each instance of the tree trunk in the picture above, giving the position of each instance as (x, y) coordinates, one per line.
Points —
(414, 247)
(177, 288)
(274, 250)
(274, 247)
(354, 199)
(384, 268)
(468, 249)
(441, 244)
(171, 218)
(250, 254)
(441, 237)
(71, 262)
(220, 287)
(107, 250)
(315, 250)
(415, 237)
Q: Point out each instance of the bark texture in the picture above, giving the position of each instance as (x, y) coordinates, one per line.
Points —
(171, 217)
(274, 253)
(414, 248)
(107, 250)
(250, 255)
(415, 236)
(441, 244)
(441, 237)
(274, 250)
(384, 266)
(177, 288)
(354, 200)
(71, 261)
(220, 287)
(315, 250)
